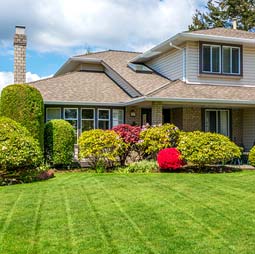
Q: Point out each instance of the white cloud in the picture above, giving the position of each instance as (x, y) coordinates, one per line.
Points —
(6, 78)
(62, 25)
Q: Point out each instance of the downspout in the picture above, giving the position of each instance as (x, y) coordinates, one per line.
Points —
(183, 59)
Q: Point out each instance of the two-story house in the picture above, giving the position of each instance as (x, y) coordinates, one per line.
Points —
(202, 80)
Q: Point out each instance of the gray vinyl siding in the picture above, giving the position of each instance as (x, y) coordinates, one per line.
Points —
(168, 64)
(248, 128)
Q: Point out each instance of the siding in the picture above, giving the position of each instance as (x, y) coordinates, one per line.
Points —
(90, 67)
(248, 128)
(193, 68)
(168, 64)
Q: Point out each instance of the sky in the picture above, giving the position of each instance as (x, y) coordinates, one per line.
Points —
(59, 29)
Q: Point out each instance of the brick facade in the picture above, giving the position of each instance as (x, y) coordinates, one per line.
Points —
(156, 113)
(131, 119)
(192, 119)
(237, 126)
(177, 117)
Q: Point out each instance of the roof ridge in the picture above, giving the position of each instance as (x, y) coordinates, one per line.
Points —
(151, 93)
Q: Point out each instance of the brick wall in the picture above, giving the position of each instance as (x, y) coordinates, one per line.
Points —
(237, 126)
(176, 117)
(156, 113)
(133, 120)
(192, 119)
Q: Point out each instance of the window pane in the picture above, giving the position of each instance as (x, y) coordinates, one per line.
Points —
(53, 113)
(103, 114)
(235, 60)
(223, 122)
(70, 113)
(215, 59)
(226, 60)
(103, 125)
(87, 113)
(206, 58)
(87, 125)
(117, 117)
(74, 124)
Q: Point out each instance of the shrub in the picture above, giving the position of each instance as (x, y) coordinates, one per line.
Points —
(170, 158)
(203, 148)
(251, 157)
(59, 139)
(18, 149)
(156, 138)
(130, 135)
(144, 166)
(24, 104)
(100, 147)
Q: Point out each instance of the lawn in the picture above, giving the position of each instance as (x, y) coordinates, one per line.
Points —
(111, 213)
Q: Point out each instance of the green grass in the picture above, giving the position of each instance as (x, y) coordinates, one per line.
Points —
(114, 213)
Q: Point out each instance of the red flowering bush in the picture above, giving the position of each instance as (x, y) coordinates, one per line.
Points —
(130, 135)
(170, 158)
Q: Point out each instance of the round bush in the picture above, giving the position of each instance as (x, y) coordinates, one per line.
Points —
(101, 147)
(170, 158)
(251, 157)
(156, 138)
(59, 139)
(203, 148)
(24, 104)
(18, 150)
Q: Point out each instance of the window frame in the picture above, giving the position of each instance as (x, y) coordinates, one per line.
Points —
(74, 119)
(94, 119)
(231, 59)
(221, 45)
(109, 118)
(47, 119)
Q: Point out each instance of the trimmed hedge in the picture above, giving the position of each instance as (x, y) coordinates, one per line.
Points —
(251, 157)
(59, 139)
(18, 149)
(24, 104)
(206, 148)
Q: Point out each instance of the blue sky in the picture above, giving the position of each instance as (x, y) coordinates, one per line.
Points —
(59, 29)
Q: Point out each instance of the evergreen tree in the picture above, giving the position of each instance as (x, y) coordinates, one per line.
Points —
(221, 13)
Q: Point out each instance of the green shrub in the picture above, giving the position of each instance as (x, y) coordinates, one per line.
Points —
(18, 149)
(155, 138)
(203, 148)
(59, 139)
(144, 166)
(251, 157)
(24, 104)
(101, 147)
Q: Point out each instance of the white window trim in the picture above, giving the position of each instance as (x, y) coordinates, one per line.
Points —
(109, 118)
(123, 113)
(217, 120)
(47, 119)
(94, 119)
(211, 46)
(239, 57)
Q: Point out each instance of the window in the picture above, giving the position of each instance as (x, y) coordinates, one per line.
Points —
(53, 113)
(220, 59)
(139, 68)
(217, 121)
(231, 60)
(103, 119)
(117, 117)
(71, 116)
(87, 119)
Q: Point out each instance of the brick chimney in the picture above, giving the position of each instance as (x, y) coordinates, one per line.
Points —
(20, 43)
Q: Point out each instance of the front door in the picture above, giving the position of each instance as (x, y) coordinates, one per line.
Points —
(166, 115)
(146, 116)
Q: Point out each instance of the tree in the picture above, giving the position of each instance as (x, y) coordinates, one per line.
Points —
(221, 13)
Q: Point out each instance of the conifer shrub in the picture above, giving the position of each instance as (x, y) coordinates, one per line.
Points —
(24, 104)
(59, 139)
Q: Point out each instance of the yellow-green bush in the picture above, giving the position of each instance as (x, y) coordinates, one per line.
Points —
(251, 156)
(203, 148)
(59, 138)
(24, 104)
(18, 150)
(101, 147)
(155, 138)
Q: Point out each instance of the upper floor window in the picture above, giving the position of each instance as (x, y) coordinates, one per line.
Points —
(220, 59)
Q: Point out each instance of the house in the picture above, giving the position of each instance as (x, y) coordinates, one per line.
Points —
(200, 80)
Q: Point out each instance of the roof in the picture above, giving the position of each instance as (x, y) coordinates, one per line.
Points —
(81, 87)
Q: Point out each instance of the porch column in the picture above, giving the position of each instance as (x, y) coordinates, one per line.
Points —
(156, 113)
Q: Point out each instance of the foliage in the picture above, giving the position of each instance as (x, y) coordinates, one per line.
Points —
(18, 149)
(24, 104)
(144, 166)
(220, 13)
(130, 135)
(101, 147)
(156, 138)
(251, 157)
(170, 158)
(59, 139)
(203, 148)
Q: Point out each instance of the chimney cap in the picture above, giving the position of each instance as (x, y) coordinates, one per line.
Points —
(20, 29)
